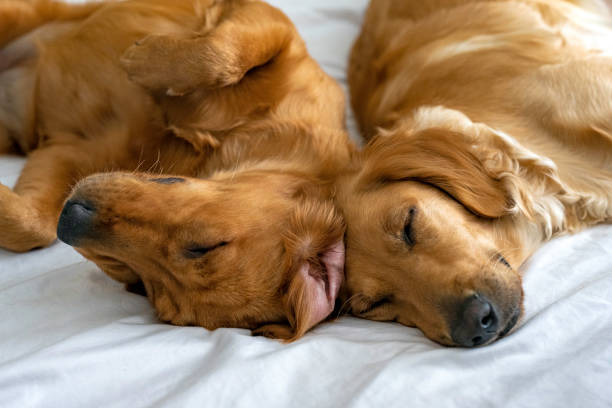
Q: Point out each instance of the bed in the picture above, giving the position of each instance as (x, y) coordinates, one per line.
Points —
(72, 337)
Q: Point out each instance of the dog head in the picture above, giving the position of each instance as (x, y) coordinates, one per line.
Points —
(425, 246)
(258, 250)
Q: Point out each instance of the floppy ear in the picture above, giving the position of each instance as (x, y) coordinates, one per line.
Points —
(244, 36)
(439, 157)
(315, 250)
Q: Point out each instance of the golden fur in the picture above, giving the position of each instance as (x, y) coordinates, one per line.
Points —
(491, 132)
(221, 94)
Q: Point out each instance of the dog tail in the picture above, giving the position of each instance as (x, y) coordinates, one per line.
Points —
(18, 17)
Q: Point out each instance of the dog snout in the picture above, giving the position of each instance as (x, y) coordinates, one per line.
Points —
(76, 221)
(477, 322)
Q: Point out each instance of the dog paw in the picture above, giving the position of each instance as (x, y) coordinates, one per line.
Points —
(155, 63)
(21, 228)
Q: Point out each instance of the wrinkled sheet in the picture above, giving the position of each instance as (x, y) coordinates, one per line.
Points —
(72, 337)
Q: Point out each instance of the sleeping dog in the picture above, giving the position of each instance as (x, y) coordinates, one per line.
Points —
(222, 134)
(491, 132)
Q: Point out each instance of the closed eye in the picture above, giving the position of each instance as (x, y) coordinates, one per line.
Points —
(167, 180)
(408, 234)
(385, 300)
(503, 260)
(196, 251)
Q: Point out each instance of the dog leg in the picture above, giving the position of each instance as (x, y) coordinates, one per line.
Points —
(29, 213)
(250, 36)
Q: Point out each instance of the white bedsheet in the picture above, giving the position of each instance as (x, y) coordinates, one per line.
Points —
(72, 337)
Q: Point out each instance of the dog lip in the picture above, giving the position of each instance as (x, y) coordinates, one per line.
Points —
(511, 323)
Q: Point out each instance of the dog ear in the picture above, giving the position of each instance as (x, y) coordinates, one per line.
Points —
(440, 157)
(315, 258)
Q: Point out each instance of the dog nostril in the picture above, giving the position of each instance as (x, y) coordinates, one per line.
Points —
(82, 207)
(78, 212)
(486, 321)
(477, 340)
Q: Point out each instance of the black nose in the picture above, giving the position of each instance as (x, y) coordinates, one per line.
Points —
(477, 322)
(75, 222)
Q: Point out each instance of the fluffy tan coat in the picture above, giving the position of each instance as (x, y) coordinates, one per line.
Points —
(222, 95)
(491, 132)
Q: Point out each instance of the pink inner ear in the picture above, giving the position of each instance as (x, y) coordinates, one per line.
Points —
(322, 287)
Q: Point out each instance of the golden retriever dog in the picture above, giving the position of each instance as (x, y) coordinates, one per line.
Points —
(223, 134)
(490, 127)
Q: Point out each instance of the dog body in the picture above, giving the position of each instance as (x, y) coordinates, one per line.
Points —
(492, 133)
(220, 94)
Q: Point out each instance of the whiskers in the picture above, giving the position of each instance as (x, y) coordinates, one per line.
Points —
(346, 306)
